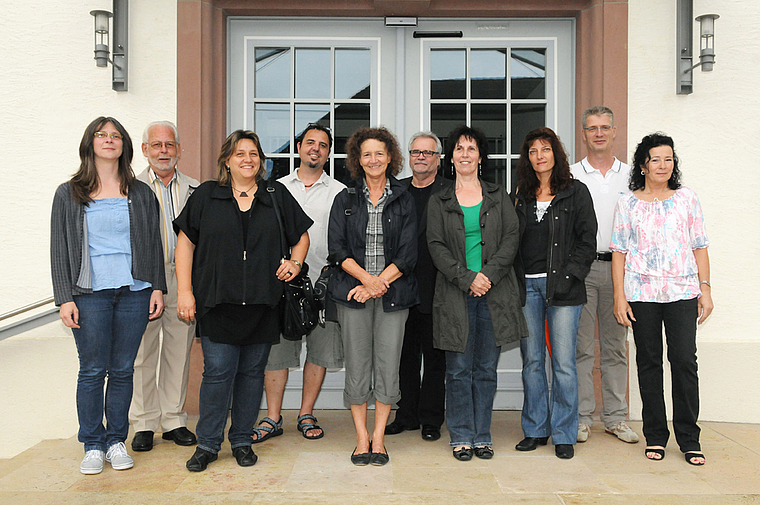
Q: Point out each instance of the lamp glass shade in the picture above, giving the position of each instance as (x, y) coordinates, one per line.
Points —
(101, 20)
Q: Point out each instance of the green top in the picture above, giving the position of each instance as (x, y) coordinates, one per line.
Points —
(472, 238)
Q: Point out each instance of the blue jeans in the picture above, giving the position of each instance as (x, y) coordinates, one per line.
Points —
(471, 380)
(236, 369)
(112, 322)
(538, 419)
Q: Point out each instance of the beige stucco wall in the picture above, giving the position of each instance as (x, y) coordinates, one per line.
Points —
(51, 89)
(715, 130)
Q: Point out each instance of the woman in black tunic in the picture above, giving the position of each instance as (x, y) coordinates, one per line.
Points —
(229, 273)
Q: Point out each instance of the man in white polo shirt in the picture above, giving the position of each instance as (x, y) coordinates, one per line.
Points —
(607, 179)
(315, 191)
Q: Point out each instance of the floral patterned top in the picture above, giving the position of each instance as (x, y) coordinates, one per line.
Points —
(659, 238)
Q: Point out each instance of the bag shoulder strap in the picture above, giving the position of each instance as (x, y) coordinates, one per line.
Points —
(284, 249)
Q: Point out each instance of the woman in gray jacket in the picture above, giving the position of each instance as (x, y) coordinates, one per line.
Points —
(108, 279)
(472, 233)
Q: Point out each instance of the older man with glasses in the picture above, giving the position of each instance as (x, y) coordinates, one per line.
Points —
(161, 366)
(422, 402)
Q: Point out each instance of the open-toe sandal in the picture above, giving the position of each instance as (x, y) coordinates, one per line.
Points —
(654, 454)
(308, 423)
(264, 432)
(463, 454)
(693, 454)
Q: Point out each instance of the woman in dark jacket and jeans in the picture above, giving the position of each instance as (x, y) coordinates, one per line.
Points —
(557, 247)
(472, 233)
(373, 236)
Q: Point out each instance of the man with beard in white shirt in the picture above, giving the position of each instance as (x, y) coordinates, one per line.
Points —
(315, 191)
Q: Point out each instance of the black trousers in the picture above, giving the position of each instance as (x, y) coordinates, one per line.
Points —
(422, 401)
(680, 319)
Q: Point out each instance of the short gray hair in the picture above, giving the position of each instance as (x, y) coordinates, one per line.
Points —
(168, 124)
(598, 110)
(426, 135)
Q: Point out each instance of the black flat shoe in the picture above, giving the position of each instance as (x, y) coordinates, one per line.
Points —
(362, 459)
(530, 443)
(430, 433)
(181, 436)
(379, 458)
(397, 427)
(484, 452)
(464, 454)
(564, 451)
(245, 456)
(143, 441)
(200, 460)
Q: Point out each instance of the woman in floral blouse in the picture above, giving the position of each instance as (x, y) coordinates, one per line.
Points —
(661, 273)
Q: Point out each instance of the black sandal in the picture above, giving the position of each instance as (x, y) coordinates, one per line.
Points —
(463, 454)
(657, 454)
(484, 452)
(693, 454)
(308, 423)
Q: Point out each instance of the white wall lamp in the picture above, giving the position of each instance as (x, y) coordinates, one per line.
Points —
(120, 41)
(684, 36)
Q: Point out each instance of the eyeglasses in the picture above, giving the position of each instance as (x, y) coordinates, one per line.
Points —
(594, 129)
(427, 154)
(158, 144)
(102, 135)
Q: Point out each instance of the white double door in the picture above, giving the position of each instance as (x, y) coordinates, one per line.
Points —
(503, 76)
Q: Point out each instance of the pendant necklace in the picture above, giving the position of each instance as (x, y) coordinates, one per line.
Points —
(243, 194)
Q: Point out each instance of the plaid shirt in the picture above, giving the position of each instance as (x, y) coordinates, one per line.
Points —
(374, 253)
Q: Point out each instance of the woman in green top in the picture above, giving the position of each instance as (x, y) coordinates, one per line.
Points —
(472, 233)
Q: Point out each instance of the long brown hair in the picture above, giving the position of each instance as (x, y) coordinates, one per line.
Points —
(527, 180)
(230, 144)
(85, 181)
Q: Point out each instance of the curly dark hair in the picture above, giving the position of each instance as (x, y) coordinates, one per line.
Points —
(468, 133)
(354, 150)
(85, 181)
(641, 157)
(228, 147)
(527, 181)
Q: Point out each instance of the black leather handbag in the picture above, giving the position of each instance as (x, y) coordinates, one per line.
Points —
(298, 307)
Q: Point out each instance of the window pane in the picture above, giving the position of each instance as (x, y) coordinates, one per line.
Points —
(488, 73)
(528, 69)
(447, 73)
(352, 73)
(311, 113)
(272, 72)
(444, 117)
(312, 73)
(513, 174)
(526, 117)
(272, 124)
(277, 167)
(492, 119)
(349, 117)
(496, 172)
(340, 172)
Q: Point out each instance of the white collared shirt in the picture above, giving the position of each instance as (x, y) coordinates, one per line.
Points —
(605, 191)
(316, 202)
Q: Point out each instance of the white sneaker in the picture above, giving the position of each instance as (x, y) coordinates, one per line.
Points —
(584, 430)
(92, 463)
(118, 457)
(623, 432)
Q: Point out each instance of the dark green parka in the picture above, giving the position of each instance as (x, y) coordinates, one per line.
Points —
(500, 237)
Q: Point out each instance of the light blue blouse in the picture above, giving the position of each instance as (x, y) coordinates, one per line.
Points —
(110, 245)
